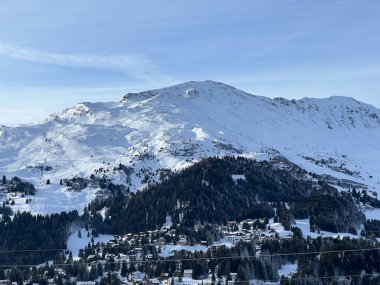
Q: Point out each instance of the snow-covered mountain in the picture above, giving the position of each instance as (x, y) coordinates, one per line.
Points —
(174, 126)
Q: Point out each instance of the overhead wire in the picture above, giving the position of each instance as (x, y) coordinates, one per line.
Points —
(197, 258)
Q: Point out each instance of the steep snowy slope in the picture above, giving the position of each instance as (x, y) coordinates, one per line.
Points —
(170, 127)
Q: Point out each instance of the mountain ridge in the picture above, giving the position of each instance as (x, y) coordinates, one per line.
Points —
(176, 126)
(191, 89)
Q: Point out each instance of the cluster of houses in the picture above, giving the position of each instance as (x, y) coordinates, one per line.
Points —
(137, 244)
(233, 232)
(247, 230)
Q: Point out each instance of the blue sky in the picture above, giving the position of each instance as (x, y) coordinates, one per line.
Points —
(54, 54)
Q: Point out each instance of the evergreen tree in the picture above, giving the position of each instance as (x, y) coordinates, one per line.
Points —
(132, 267)
(242, 274)
(100, 269)
(213, 278)
(59, 280)
(124, 269)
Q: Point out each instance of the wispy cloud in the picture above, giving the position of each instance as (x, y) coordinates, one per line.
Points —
(135, 65)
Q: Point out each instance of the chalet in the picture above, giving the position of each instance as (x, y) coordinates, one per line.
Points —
(182, 240)
(234, 237)
(161, 241)
(138, 249)
(233, 276)
(188, 273)
(138, 276)
(216, 245)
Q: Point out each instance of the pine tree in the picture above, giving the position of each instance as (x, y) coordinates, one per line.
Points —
(59, 280)
(124, 269)
(241, 274)
(4, 180)
(132, 268)
(2, 274)
(100, 269)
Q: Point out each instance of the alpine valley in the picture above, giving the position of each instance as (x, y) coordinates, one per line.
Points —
(198, 183)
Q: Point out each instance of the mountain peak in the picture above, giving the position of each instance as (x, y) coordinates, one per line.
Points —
(187, 89)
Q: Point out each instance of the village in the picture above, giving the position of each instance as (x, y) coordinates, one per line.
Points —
(135, 251)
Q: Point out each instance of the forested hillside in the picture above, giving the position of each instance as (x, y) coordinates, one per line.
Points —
(217, 190)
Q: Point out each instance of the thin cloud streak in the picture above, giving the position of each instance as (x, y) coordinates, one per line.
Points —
(135, 65)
